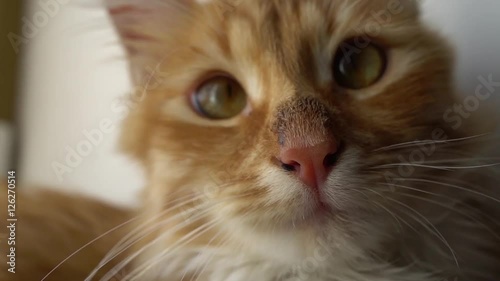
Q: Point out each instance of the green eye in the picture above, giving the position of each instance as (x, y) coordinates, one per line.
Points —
(219, 98)
(358, 68)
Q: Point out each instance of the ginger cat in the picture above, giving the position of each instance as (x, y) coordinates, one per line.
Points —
(288, 140)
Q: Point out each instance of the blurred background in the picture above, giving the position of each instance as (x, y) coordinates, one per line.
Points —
(63, 80)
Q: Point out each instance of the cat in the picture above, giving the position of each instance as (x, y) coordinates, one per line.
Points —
(287, 140)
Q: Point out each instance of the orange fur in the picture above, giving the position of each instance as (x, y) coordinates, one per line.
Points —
(216, 187)
(51, 226)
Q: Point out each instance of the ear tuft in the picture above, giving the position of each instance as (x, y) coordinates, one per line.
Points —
(126, 15)
(150, 30)
(144, 25)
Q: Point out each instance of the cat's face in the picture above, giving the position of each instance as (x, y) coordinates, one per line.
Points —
(271, 113)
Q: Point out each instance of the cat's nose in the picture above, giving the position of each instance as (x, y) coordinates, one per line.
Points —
(311, 164)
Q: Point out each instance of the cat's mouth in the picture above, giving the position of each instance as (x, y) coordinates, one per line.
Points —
(311, 167)
(322, 209)
(318, 213)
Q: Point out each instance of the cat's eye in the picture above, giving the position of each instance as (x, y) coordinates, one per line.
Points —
(358, 68)
(219, 98)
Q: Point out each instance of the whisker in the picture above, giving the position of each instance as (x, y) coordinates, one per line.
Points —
(139, 271)
(127, 241)
(433, 231)
(193, 219)
(467, 160)
(120, 266)
(153, 228)
(453, 210)
(420, 142)
(200, 271)
(446, 168)
(450, 185)
(429, 141)
(390, 212)
(386, 166)
(88, 244)
(455, 201)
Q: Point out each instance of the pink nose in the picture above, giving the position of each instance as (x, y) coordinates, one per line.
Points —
(311, 164)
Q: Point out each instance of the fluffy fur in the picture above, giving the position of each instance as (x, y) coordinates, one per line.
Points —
(218, 206)
(55, 228)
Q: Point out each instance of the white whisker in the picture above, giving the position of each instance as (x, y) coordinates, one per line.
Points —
(88, 244)
(139, 271)
(134, 236)
(432, 229)
(127, 261)
(446, 168)
(452, 186)
(423, 142)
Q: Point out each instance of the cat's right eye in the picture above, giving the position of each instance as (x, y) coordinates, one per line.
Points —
(219, 98)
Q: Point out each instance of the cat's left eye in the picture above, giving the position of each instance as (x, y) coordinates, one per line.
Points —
(359, 68)
(219, 98)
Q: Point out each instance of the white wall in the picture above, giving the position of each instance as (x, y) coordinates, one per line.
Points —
(474, 29)
(74, 72)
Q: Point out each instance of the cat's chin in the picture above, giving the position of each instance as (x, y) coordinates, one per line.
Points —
(292, 243)
(316, 221)
(320, 215)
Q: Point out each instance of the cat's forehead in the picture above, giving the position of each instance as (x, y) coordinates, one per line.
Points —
(312, 15)
(301, 27)
(291, 41)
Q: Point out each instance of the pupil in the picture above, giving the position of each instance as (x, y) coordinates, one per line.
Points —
(229, 90)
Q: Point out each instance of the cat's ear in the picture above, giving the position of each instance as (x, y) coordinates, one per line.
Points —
(148, 28)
